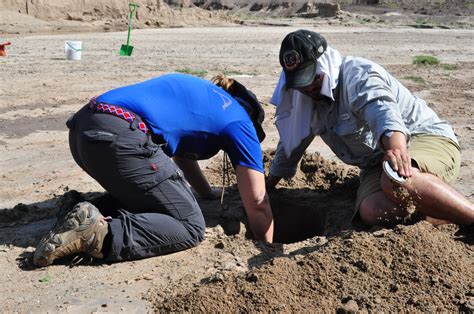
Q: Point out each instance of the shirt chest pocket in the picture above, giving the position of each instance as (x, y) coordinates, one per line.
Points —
(356, 139)
(346, 126)
(349, 131)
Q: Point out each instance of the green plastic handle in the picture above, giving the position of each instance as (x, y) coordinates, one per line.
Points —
(133, 8)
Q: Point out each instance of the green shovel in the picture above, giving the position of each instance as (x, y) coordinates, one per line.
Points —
(126, 50)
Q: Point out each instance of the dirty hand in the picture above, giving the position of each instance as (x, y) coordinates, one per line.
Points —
(400, 161)
(396, 153)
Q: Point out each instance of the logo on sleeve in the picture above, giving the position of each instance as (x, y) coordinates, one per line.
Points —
(226, 102)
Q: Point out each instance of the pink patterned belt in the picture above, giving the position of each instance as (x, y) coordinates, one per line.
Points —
(119, 112)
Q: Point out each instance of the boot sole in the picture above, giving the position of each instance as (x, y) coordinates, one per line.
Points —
(81, 217)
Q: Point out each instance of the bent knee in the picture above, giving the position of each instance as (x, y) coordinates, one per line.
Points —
(196, 226)
(200, 235)
(368, 213)
(378, 210)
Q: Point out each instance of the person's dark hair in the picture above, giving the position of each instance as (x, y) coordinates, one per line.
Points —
(246, 99)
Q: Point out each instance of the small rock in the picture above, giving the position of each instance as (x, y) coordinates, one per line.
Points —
(434, 280)
(394, 287)
(344, 269)
(448, 284)
(413, 300)
(251, 277)
(380, 233)
(350, 307)
(300, 263)
(469, 305)
(362, 265)
(217, 277)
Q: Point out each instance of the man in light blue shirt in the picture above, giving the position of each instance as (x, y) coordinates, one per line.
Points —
(366, 117)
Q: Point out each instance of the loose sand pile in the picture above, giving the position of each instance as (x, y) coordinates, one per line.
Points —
(414, 268)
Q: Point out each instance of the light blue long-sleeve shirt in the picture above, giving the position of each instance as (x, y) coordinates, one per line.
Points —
(368, 102)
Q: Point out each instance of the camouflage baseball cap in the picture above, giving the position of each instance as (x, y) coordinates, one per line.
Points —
(299, 52)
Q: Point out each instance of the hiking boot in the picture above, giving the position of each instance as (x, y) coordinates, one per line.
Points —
(82, 230)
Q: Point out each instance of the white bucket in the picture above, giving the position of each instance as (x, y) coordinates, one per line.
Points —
(73, 50)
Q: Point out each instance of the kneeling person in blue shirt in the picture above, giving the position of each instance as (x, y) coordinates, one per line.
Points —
(125, 139)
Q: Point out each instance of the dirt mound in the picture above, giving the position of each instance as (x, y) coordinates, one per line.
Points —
(417, 267)
(414, 268)
(314, 172)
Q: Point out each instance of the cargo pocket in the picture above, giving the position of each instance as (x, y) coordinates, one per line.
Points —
(142, 163)
(346, 128)
(160, 163)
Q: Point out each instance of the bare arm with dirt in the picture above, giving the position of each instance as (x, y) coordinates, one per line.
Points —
(251, 184)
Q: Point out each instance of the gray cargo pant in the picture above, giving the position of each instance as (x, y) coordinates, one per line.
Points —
(153, 210)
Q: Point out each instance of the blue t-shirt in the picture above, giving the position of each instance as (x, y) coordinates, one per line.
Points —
(194, 117)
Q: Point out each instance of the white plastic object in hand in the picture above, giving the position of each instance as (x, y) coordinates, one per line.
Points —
(392, 174)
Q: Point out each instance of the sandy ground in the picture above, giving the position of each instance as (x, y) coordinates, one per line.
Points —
(340, 266)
